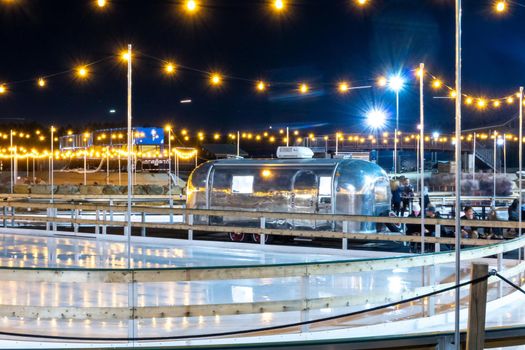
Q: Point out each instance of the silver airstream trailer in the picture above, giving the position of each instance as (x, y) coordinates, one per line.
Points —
(331, 186)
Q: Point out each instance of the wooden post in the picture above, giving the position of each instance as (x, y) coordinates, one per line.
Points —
(477, 308)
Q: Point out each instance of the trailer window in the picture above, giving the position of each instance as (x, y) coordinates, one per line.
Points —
(242, 184)
(325, 186)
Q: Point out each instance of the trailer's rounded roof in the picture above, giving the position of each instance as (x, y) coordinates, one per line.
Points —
(290, 161)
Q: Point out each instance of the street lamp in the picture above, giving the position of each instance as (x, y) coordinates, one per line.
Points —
(376, 118)
(396, 83)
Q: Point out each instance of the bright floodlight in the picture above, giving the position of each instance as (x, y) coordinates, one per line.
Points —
(500, 141)
(376, 118)
(396, 83)
(435, 135)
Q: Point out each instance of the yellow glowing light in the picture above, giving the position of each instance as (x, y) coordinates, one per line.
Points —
(191, 6)
(361, 2)
(303, 88)
(344, 87)
(496, 104)
(418, 72)
(510, 100)
(124, 55)
(41, 82)
(3, 89)
(272, 139)
(500, 6)
(82, 72)
(469, 100)
(382, 81)
(215, 79)
(453, 94)
(266, 173)
(261, 86)
(436, 84)
(216, 136)
(482, 103)
(101, 3)
(169, 68)
(278, 5)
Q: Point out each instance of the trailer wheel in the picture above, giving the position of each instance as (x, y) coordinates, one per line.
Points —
(257, 238)
(237, 237)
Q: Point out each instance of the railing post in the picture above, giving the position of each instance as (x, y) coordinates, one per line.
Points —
(55, 214)
(111, 210)
(189, 220)
(477, 308)
(96, 222)
(48, 223)
(262, 235)
(132, 305)
(5, 217)
(72, 216)
(12, 216)
(500, 268)
(104, 226)
(76, 225)
(437, 246)
(305, 291)
(345, 230)
(143, 220)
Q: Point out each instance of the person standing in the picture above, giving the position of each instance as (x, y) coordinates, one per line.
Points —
(406, 195)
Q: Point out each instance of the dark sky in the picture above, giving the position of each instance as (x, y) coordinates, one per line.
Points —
(316, 41)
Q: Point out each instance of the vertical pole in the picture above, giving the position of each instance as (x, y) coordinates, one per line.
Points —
(130, 159)
(85, 167)
(520, 160)
(33, 181)
(287, 136)
(132, 330)
(474, 158)
(12, 156)
(238, 143)
(505, 154)
(336, 143)
(107, 167)
(477, 308)
(170, 193)
(119, 171)
(395, 133)
(422, 151)
(494, 168)
(458, 172)
(52, 179)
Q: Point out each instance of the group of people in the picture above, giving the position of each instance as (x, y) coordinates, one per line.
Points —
(403, 194)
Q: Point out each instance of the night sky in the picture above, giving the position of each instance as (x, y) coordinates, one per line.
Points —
(319, 42)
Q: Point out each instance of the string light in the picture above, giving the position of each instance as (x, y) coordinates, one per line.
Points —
(191, 6)
(481, 103)
(101, 3)
(3, 89)
(469, 100)
(124, 55)
(169, 68)
(82, 72)
(344, 87)
(361, 2)
(304, 88)
(278, 5)
(41, 82)
(510, 100)
(215, 79)
(453, 94)
(382, 81)
(496, 104)
(436, 84)
(500, 6)
(261, 86)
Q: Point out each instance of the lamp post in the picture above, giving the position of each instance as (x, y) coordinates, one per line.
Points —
(396, 84)
(520, 162)
(422, 152)
(457, 226)
(130, 160)
(51, 170)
